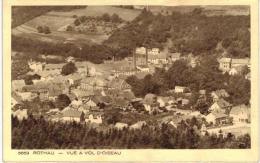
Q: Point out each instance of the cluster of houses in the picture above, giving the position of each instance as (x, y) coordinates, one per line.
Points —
(234, 66)
(92, 89)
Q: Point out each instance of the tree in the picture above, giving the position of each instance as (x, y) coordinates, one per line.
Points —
(69, 68)
(69, 28)
(105, 17)
(77, 22)
(115, 18)
(19, 68)
(62, 101)
(40, 29)
(46, 30)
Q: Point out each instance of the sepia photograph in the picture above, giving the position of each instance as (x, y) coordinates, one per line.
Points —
(130, 77)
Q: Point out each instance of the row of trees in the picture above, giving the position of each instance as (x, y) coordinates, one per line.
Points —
(204, 76)
(43, 29)
(114, 18)
(41, 134)
(94, 53)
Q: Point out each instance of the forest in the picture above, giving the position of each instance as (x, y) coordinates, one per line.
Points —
(205, 75)
(186, 33)
(35, 133)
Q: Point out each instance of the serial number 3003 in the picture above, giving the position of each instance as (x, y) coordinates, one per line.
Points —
(23, 153)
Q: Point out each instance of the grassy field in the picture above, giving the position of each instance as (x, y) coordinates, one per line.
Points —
(54, 22)
(125, 14)
(209, 10)
(58, 19)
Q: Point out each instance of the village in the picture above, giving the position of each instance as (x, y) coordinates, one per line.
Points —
(95, 93)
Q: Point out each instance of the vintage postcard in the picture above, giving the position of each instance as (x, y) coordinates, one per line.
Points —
(131, 80)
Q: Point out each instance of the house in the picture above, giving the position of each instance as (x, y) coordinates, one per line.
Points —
(70, 115)
(17, 85)
(216, 95)
(161, 58)
(240, 114)
(202, 92)
(143, 68)
(150, 103)
(93, 83)
(180, 89)
(236, 70)
(56, 117)
(125, 71)
(118, 83)
(218, 118)
(120, 125)
(240, 62)
(93, 118)
(140, 50)
(92, 102)
(40, 88)
(220, 106)
(174, 56)
(70, 59)
(248, 76)
(55, 89)
(54, 68)
(224, 64)
(15, 99)
(233, 71)
(27, 96)
(182, 101)
(138, 125)
(76, 103)
(35, 66)
(21, 114)
(164, 101)
(120, 103)
(153, 51)
(82, 94)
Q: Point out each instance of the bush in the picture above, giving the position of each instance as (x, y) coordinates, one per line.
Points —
(69, 68)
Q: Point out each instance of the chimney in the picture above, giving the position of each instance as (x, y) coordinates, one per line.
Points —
(134, 58)
(146, 56)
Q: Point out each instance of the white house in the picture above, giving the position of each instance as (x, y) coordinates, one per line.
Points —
(180, 89)
(120, 125)
(150, 103)
(240, 114)
(140, 50)
(92, 118)
(224, 64)
(138, 125)
(220, 106)
(20, 114)
(70, 59)
(27, 96)
(217, 118)
(164, 101)
(153, 51)
(35, 66)
(233, 71)
(143, 68)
